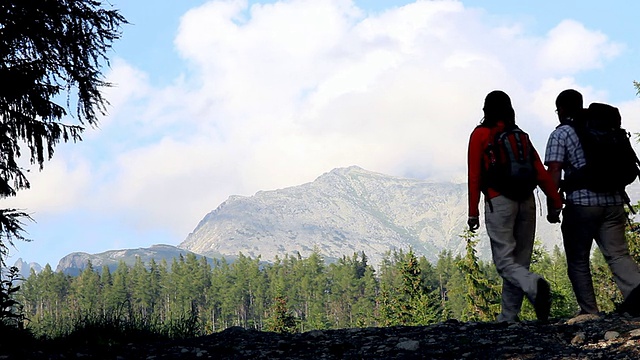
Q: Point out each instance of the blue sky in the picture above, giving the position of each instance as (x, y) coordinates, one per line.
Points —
(221, 98)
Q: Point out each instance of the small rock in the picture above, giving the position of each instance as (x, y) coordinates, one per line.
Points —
(578, 338)
(316, 333)
(634, 333)
(583, 318)
(411, 345)
(610, 335)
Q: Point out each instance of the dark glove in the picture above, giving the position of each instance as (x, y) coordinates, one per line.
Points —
(474, 223)
(553, 215)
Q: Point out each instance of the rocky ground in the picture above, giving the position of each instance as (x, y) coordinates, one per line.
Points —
(586, 337)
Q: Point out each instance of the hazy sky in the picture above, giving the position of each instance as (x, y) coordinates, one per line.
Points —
(220, 98)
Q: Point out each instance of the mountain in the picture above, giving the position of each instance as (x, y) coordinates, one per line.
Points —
(25, 268)
(345, 211)
(74, 263)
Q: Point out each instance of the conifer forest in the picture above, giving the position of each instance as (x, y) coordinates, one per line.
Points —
(193, 296)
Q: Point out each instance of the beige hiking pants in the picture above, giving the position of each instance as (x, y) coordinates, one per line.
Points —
(511, 228)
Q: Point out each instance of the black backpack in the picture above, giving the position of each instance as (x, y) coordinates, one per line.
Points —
(611, 162)
(511, 170)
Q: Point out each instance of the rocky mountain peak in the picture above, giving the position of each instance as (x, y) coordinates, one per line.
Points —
(344, 211)
(25, 268)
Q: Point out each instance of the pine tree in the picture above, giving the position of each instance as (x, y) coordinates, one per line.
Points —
(342, 279)
(313, 286)
(86, 291)
(11, 311)
(220, 301)
(632, 233)
(421, 306)
(48, 49)
(483, 296)
(164, 286)
(280, 318)
(554, 270)
(120, 293)
(368, 289)
(154, 289)
(411, 302)
(450, 286)
(139, 288)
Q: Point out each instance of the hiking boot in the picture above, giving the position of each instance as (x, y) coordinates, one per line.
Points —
(631, 305)
(507, 320)
(542, 304)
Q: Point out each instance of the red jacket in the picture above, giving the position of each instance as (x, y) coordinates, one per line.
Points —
(476, 157)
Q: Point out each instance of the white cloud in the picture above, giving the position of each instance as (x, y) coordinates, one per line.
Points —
(570, 48)
(61, 186)
(281, 93)
(127, 83)
(630, 112)
(169, 184)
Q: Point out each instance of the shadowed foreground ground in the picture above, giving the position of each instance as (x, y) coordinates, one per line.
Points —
(609, 337)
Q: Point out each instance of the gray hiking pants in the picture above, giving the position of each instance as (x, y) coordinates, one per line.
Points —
(606, 224)
(511, 228)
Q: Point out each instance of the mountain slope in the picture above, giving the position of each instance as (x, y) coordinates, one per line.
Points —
(343, 211)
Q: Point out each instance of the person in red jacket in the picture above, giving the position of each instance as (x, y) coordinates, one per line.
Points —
(510, 223)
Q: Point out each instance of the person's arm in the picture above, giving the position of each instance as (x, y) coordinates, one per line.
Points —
(474, 170)
(554, 156)
(554, 168)
(548, 184)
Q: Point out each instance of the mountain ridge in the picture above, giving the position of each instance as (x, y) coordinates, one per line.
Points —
(344, 211)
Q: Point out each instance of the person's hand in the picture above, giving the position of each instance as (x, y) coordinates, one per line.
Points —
(474, 223)
(553, 215)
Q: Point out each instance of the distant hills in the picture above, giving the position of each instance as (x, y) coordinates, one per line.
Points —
(345, 211)
(73, 263)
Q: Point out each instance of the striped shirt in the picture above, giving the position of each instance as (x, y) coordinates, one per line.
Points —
(564, 146)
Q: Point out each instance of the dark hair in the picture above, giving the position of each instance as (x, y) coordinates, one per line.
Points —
(570, 101)
(497, 107)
